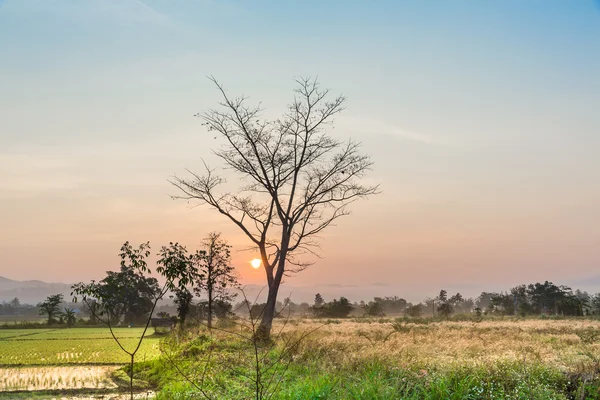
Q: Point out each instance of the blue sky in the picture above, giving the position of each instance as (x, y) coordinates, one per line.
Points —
(481, 117)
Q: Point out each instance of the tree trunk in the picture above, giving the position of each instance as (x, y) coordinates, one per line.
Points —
(264, 329)
(209, 287)
(131, 375)
(210, 308)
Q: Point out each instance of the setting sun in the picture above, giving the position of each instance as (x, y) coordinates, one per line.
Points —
(255, 263)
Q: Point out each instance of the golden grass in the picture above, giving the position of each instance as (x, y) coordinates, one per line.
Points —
(47, 378)
(441, 345)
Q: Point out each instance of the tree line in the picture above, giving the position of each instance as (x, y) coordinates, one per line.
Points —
(130, 296)
(217, 283)
(523, 300)
(14, 307)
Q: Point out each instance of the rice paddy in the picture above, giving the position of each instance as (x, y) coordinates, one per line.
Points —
(66, 359)
(90, 346)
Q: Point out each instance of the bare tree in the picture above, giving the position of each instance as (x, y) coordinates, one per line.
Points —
(297, 179)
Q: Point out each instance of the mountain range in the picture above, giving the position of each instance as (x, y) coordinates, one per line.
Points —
(34, 291)
(31, 292)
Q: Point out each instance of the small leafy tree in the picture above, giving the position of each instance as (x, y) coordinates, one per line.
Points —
(446, 305)
(125, 296)
(483, 301)
(429, 304)
(51, 308)
(183, 301)
(502, 303)
(70, 318)
(318, 308)
(374, 309)
(222, 309)
(174, 265)
(595, 304)
(92, 310)
(319, 300)
(445, 309)
(256, 310)
(337, 308)
(443, 296)
(391, 304)
(414, 310)
(456, 299)
(545, 296)
(215, 273)
(15, 303)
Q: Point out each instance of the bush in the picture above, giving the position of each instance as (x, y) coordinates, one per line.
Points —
(415, 310)
(374, 309)
(445, 309)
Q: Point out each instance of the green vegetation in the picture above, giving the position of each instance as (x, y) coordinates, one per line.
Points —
(51, 307)
(497, 358)
(72, 346)
(377, 380)
(10, 333)
(361, 358)
(83, 333)
(484, 348)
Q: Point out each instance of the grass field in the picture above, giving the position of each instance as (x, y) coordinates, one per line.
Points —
(15, 333)
(503, 358)
(386, 359)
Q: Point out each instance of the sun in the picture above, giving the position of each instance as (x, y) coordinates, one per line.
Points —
(255, 263)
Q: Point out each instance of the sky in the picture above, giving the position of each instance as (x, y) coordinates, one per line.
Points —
(481, 118)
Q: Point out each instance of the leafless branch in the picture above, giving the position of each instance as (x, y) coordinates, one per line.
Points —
(299, 179)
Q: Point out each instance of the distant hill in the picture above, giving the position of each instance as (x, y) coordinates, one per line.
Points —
(31, 292)
(34, 291)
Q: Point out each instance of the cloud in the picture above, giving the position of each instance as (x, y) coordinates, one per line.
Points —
(369, 126)
(334, 285)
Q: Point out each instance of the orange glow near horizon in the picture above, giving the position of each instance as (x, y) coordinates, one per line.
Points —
(255, 263)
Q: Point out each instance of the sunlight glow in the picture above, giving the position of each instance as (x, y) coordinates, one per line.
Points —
(255, 263)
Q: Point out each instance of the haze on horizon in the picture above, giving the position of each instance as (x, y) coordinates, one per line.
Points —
(481, 119)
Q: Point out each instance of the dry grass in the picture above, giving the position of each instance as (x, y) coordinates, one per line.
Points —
(450, 344)
(497, 358)
(56, 378)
